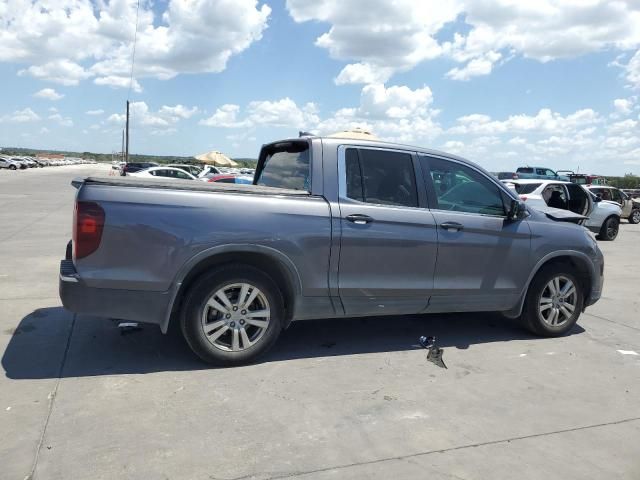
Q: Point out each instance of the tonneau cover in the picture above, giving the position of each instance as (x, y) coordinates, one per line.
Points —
(194, 185)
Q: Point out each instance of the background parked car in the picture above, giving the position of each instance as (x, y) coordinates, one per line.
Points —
(603, 218)
(543, 173)
(133, 167)
(227, 178)
(192, 169)
(507, 176)
(11, 164)
(584, 179)
(630, 208)
(207, 171)
(163, 172)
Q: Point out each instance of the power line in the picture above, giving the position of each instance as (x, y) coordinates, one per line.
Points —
(133, 54)
(133, 61)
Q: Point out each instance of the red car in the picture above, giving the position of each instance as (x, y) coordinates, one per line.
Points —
(222, 178)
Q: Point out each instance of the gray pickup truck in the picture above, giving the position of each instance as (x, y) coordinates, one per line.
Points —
(330, 228)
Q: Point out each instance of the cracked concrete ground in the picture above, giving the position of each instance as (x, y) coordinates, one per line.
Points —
(336, 399)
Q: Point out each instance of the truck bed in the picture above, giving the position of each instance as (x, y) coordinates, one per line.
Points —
(188, 185)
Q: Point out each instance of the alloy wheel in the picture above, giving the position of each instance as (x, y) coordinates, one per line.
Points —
(557, 301)
(612, 229)
(236, 317)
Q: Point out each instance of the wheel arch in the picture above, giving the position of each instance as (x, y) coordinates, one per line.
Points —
(578, 261)
(272, 262)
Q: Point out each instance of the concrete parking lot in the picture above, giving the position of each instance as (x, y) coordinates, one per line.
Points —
(335, 399)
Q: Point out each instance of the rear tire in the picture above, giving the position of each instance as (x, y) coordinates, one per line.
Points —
(554, 301)
(232, 315)
(634, 218)
(609, 230)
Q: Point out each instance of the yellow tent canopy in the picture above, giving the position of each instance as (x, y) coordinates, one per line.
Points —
(216, 158)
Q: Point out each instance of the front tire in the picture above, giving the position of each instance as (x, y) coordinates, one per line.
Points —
(609, 230)
(12, 167)
(232, 315)
(554, 301)
(634, 218)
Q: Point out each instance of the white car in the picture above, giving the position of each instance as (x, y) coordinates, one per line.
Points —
(603, 218)
(163, 172)
(11, 163)
(208, 170)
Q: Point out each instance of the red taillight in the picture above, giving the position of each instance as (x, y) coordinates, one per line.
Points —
(523, 198)
(87, 228)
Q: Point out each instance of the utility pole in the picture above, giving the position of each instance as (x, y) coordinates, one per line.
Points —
(127, 142)
(122, 148)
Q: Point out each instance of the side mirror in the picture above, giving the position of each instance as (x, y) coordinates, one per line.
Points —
(597, 199)
(517, 210)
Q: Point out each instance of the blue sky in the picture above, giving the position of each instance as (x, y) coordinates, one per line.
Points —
(503, 83)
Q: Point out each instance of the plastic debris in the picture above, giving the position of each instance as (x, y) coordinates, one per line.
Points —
(434, 354)
(628, 352)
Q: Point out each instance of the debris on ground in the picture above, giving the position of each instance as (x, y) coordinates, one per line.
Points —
(129, 327)
(434, 354)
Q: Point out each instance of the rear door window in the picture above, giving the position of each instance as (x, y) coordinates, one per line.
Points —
(460, 188)
(381, 177)
(616, 195)
(285, 165)
(555, 196)
(578, 199)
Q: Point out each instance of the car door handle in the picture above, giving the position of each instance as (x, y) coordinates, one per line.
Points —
(359, 218)
(455, 226)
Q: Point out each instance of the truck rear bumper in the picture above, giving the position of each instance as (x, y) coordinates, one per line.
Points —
(135, 305)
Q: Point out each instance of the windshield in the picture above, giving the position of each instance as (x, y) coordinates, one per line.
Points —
(286, 166)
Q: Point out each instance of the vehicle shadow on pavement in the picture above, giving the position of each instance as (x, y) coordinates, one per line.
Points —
(41, 345)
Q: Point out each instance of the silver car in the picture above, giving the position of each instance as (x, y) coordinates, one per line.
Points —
(11, 163)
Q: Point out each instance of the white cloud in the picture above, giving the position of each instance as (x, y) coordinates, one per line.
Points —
(623, 105)
(476, 67)
(163, 120)
(544, 121)
(178, 111)
(399, 35)
(278, 113)
(63, 71)
(62, 121)
(363, 73)
(632, 71)
(381, 36)
(21, 116)
(517, 141)
(49, 94)
(394, 113)
(624, 128)
(67, 41)
(44, 130)
(116, 81)
(95, 112)
(224, 117)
